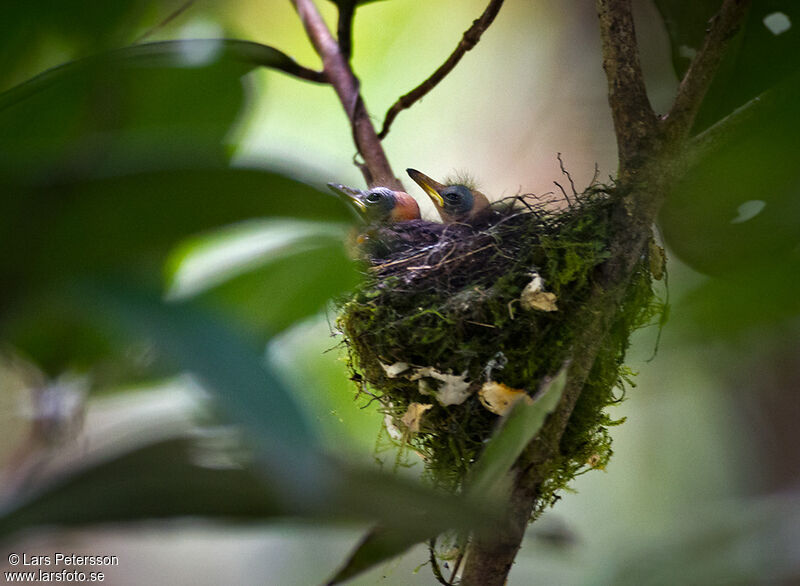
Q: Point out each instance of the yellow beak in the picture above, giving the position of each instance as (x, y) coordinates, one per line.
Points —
(350, 195)
(428, 185)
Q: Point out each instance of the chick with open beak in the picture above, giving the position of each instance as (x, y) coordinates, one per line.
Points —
(455, 203)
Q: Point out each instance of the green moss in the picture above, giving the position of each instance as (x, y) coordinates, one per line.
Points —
(454, 305)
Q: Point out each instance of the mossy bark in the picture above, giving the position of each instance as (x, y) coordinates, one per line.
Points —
(489, 559)
(648, 146)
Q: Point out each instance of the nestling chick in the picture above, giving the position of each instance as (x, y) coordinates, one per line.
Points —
(455, 203)
(393, 222)
(379, 205)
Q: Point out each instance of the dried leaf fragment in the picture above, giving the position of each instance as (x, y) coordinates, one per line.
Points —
(596, 461)
(499, 398)
(453, 390)
(534, 297)
(658, 259)
(413, 416)
(395, 369)
(392, 429)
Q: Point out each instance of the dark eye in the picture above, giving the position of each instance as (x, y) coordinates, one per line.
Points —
(456, 193)
(457, 199)
(374, 197)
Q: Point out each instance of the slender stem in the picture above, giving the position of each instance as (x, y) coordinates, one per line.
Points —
(634, 120)
(376, 168)
(722, 28)
(272, 58)
(468, 41)
(170, 17)
(344, 28)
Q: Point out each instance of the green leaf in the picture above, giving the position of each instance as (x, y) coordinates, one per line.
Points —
(202, 262)
(33, 34)
(377, 546)
(142, 107)
(295, 265)
(754, 297)
(233, 369)
(762, 54)
(686, 23)
(112, 161)
(518, 429)
(185, 53)
(174, 478)
(738, 205)
(131, 223)
(735, 214)
(226, 363)
(219, 480)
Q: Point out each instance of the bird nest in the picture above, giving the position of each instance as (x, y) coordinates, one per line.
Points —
(454, 323)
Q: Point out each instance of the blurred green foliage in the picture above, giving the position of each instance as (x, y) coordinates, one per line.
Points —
(114, 166)
(705, 221)
(76, 28)
(760, 56)
(117, 163)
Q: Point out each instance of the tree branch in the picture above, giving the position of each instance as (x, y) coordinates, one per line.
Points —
(468, 41)
(634, 120)
(376, 168)
(722, 27)
(642, 187)
(344, 28)
(490, 558)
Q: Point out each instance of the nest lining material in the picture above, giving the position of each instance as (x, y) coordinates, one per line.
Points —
(455, 322)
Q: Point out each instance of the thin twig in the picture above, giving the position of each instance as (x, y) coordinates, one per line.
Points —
(477, 323)
(595, 175)
(468, 41)
(565, 172)
(437, 570)
(170, 17)
(384, 266)
(563, 192)
(722, 28)
(443, 262)
(377, 170)
(344, 28)
(569, 177)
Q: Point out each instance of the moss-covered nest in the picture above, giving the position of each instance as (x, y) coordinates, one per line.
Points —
(453, 321)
